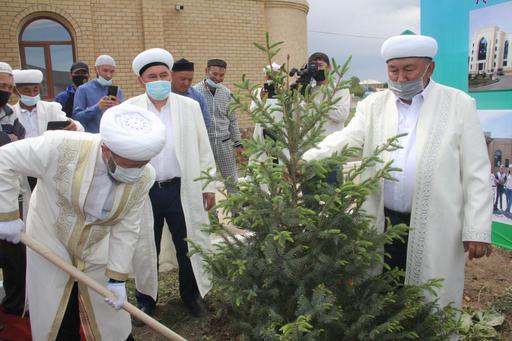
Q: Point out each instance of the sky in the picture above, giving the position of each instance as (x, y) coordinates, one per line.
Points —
(497, 122)
(497, 15)
(342, 28)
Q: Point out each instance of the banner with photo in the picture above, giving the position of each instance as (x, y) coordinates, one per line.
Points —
(490, 50)
(497, 128)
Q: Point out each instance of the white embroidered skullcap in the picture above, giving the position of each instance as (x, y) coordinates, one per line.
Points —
(5, 68)
(105, 59)
(274, 67)
(27, 76)
(132, 132)
(409, 45)
(151, 57)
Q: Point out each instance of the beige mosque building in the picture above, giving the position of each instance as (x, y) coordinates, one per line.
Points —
(51, 34)
(489, 52)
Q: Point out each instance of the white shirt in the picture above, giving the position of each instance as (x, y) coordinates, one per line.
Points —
(100, 198)
(29, 120)
(165, 163)
(398, 194)
(508, 184)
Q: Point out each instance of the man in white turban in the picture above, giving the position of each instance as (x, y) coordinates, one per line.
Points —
(177, 196)
(87, 207)
(443, 191)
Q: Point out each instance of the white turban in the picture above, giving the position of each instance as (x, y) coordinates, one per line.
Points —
(409, 46)
(27, 76)
(151, 57)
(132, 132)
(105, 59)
(274, 67)
(5, 68)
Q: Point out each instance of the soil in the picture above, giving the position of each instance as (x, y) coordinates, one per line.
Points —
(486, 281)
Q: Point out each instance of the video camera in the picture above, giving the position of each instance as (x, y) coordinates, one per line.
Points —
(306, 73)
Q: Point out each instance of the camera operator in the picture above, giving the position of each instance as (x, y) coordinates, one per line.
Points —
(339, 114)
(268, 90)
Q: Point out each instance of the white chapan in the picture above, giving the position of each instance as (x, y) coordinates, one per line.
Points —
(27, 76)
(155, 55)
(132, 132)
(5, 68)
(409, 46)
(105, 59)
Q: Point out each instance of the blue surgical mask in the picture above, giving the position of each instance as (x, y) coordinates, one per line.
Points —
(408, 89)
(29, 100)
(103, 81)
(212, 83)
(121, 174)
(158, 90)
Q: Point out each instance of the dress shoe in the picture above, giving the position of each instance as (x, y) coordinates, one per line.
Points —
(197, 307)
(138, 323)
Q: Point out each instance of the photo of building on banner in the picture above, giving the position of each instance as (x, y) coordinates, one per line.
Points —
(490, 50)
(497, 128)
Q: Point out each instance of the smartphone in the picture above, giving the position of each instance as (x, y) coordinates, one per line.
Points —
(57, 125)
(112, 90)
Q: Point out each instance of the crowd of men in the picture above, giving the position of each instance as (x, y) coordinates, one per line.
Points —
(97, 191)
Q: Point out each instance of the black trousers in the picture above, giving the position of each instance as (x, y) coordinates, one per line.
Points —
(500, 189)
(13, 262)
(70, 327)
(166, 204)
(398, 249)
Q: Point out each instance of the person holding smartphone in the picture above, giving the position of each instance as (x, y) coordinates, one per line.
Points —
(93, 98)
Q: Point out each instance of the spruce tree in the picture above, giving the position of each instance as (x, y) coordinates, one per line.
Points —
(309, 265)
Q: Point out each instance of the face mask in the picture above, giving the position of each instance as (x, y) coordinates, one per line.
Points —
(121, 174)
(103, 81)
(212, 83)
(4, 97)
(79, 80)
(30, 101)
(408, 89)
(158, 90)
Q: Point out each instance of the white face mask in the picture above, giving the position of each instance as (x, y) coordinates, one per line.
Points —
(121, 174)
(103, 81)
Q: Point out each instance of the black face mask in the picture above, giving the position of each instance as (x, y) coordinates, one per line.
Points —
(319, 75)
(4, 97)
(79, 80)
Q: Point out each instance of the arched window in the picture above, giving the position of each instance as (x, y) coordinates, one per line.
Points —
(505, 53)
(47, 45)
(497, 158)
(482, 49)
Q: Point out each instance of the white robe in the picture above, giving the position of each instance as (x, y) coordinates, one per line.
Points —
(194, 156)
(452, 198)
(64, 164)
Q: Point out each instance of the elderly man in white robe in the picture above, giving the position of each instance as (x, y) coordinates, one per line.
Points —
(87, 207)
(443, 189)
(176, 196)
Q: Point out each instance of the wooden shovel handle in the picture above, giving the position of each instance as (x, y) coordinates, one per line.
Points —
(83, 278)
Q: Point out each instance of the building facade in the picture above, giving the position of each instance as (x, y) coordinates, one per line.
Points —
(489, 52)
(51, 34)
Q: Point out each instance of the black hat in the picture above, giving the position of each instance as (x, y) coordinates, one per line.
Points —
(79, 66)
(217, 62)
(183, 65)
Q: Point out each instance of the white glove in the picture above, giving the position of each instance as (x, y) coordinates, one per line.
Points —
(119, 291)
(11, 230)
